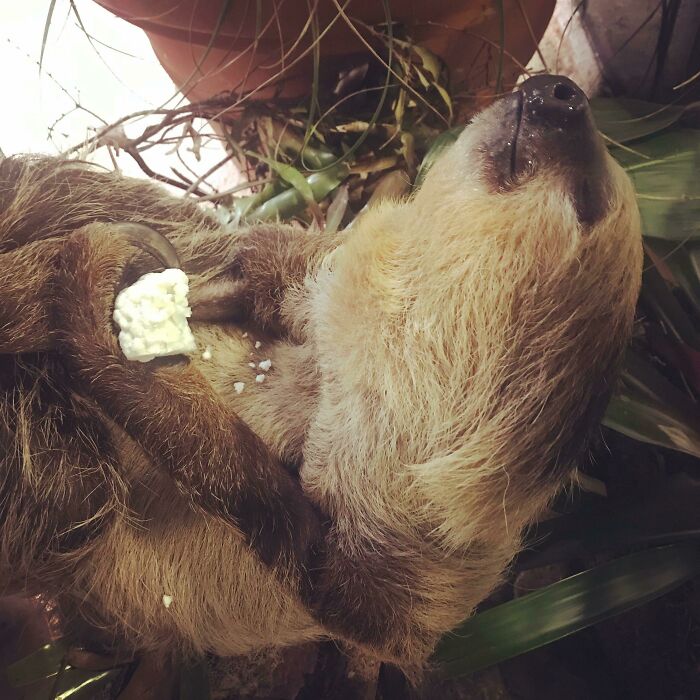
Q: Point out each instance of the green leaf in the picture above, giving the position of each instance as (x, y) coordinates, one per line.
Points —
(668, 188)
(290, 175)
(683, 260)
(566, 607)
(80, 684)
(437, 148)
(623, 120)
(45, 662)
(290, 202)
(643, 419)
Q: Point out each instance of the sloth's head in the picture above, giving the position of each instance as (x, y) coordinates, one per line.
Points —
(534, 163)
(506, 286)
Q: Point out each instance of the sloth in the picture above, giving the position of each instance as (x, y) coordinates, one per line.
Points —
(435, 374)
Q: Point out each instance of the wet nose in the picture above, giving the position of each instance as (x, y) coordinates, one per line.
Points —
(557, 131)
(553, 100)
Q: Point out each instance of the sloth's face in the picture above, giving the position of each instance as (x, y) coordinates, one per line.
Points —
(545, 126)
(535, 153)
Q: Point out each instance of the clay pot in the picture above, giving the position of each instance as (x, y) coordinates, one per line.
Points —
(204, 62)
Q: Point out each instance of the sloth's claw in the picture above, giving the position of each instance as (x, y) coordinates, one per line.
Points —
(150, 241)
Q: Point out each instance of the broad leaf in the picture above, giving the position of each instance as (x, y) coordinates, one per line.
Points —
(623, 120)
(667, 183)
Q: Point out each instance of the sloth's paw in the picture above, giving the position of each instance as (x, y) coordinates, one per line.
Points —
(94, 263)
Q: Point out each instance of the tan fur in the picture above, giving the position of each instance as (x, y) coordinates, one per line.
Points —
(437, 376)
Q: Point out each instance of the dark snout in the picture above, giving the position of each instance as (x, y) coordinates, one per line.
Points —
(549, 126)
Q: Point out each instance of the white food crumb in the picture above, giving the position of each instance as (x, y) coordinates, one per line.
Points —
(245, 335)
(152, 316)
(260, 378)
(265, 365)
(206, 355)
(257, 344)
(251, 364)
(238, 387)
(167, 600)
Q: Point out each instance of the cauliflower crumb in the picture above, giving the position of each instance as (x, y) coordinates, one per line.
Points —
(260, 378)
(257, 344)
(152, 316)
(238, 387)
(265, 365)
(167, 600)
(206, 355)
(251, 364)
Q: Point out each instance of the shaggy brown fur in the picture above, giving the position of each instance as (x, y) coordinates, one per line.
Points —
(436, 373)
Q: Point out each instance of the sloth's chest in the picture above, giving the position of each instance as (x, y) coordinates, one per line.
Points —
(272, 385)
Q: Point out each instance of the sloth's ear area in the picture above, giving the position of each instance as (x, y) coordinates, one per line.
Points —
(170, 410)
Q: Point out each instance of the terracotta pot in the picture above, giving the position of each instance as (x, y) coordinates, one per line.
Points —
(459, 31)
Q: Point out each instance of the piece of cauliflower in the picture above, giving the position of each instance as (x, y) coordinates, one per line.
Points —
(152, 315)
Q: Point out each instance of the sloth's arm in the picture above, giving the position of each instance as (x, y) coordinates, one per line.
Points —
(171, 411)
(267, 262)
(26, 290)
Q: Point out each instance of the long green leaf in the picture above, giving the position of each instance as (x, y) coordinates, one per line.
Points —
(80, 684)
(639, 418)
(566, 607)
(624, 120)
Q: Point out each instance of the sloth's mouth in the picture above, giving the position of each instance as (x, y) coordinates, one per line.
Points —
(547, 125)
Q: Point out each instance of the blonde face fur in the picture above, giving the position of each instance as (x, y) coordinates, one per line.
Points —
(438, 374)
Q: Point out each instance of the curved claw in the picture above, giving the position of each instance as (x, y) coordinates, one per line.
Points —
(151, 241)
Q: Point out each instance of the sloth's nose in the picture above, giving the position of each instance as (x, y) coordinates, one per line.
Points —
(553, 100)
(556, 130)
